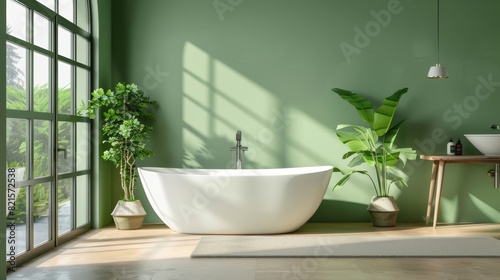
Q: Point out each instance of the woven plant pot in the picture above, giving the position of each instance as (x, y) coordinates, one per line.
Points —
(128, 215)
(383, 211)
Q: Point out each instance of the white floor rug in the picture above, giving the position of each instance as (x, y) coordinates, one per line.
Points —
(345, 246)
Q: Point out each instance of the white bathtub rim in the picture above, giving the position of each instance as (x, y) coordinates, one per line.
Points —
(238, 172)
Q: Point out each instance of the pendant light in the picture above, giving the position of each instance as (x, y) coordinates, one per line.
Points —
(437, 71)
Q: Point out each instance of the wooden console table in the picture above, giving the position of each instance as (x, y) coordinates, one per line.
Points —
(437, 176)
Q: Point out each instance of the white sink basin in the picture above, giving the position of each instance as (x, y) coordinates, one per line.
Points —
(488, 144)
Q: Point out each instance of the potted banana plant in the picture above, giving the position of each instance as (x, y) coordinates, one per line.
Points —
(125, 130)
(375, 145)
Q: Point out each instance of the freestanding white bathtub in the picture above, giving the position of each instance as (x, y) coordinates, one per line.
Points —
(235, 201)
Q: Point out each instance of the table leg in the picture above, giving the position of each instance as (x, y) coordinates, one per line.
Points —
(431, 190)
(439, 185)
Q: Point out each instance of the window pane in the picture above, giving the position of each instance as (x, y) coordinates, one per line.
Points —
(64, 212)
(41, 31)
(17, 136)
(82, 146)
(66, 9)
(41, 80)
(42, 148)
(65, 42)
(65, 86)
(48, 3)
(82, 203)
(82, 14)
(82, 50)
(41, 213)
(65, 147)
(82, 86)
(16, 81)
(17, 20)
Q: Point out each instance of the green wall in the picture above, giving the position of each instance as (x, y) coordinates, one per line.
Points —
(266, 68)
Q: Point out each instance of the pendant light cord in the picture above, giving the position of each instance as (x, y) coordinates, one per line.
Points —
(438, 27)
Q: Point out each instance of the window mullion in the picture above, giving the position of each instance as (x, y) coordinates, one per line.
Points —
(55, 128)
(30, 65)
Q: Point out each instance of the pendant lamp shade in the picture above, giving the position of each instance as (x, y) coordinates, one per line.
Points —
(437, 71)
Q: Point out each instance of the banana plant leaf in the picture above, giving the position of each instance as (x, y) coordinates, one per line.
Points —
(363, 106)
(385, 113)
(354, 141)
(347, 175)
(391, 134)
(355, 161)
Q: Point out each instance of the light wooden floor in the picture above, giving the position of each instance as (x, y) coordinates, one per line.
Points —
(156, 252)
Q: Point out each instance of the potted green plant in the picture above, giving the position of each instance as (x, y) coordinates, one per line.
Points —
(125, 130)
(374, 145)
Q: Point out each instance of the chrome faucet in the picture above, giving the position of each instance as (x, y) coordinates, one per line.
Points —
(238, 152)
